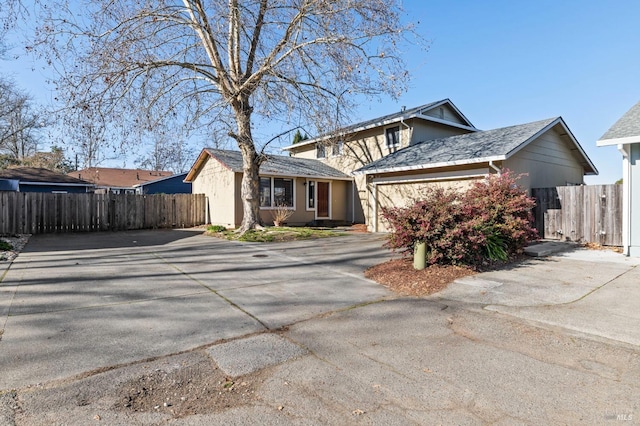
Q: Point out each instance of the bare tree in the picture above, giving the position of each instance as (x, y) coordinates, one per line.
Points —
(142, 61)
(20, 123)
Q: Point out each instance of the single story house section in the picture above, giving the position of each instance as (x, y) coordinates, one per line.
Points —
(314, 191)
(173, 184)
(546, 151)
(625, 135)
(118, 181)
(36, 179)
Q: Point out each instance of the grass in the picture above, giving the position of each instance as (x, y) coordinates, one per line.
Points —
(276, 234)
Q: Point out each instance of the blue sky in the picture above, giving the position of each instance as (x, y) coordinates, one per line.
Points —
(508, 62)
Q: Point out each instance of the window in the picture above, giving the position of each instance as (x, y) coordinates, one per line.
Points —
(276, 192)
(393, 136)
(337, 148)
(311, 195)
(320, 151)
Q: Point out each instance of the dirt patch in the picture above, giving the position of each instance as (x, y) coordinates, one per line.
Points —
(186, 390)
(400, 276)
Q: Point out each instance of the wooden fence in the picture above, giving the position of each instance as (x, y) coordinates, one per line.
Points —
(38, 213)
(591, 213)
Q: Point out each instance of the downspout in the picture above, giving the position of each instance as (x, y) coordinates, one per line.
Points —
(626, 199)
(410, 130)
(496, 168)
(353, 201)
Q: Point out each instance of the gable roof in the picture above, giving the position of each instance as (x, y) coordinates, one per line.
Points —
(471, 148)
(37, 175)
(275, 165)
(118, 178)
(625, 130)
(416, 112)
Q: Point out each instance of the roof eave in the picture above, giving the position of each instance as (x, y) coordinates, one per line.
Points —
(432, 165)
(618, 141)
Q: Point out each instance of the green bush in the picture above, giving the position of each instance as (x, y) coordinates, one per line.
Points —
(216, 228)
(5, 246)
(489, 222)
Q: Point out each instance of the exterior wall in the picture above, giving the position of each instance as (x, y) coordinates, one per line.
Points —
(634, 201)
(53, 188)
(548, 161)
(423, 131)
(445, 112)
(400, 189)
(173, 185)
(218, 184)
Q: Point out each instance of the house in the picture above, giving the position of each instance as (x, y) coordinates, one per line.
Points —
(625, 135)
(393, 157)
(118, 181)
(173, 184)
(314, 191)
(35, 179)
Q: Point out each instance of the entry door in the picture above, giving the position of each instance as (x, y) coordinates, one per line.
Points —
(323, 200)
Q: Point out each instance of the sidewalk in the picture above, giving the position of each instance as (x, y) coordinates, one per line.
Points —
(596, 292)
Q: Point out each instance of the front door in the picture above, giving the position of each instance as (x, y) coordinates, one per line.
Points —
(323, 200)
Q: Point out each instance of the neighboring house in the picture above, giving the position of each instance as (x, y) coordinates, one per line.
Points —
(393, 157)
(314, 191)
(625, 134)
(118, 181)
(174, 184)
(35, 179)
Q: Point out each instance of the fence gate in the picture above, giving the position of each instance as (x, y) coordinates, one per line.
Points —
(589, 213)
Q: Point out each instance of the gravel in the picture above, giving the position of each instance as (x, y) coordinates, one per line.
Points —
(17, 243)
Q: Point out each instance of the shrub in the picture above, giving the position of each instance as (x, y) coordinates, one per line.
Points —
(5, 246)
(489, 222)
(216, 228)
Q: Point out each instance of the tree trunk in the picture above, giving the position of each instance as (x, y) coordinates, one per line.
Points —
(250, 166)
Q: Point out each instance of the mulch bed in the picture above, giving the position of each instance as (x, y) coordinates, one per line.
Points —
(399, 276)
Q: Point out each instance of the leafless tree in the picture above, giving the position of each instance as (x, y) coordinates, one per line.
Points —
(20, 123)
(141, 61)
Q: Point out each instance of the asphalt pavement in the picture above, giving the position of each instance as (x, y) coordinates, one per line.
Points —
(553, 340)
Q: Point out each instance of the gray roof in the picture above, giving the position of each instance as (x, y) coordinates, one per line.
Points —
(484, 146)
(280, 165)
(627, 126)
(40, 175)
(388, 119)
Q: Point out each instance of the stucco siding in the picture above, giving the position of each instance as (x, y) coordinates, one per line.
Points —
(548, 161)
(218, 184)
(402, 195)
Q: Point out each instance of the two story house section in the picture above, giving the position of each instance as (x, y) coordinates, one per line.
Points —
(362, 143)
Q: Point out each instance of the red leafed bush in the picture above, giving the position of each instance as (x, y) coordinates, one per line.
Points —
(490, 221)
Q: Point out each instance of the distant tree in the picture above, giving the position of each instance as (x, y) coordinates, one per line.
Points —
(20, 122)
(54, 160)
(205, 61)
(619, 181)
(299, 137)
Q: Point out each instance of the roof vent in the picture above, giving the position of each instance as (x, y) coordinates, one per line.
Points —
(403, 108)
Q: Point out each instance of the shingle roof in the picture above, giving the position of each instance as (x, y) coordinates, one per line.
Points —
(387, 119)
(279, 165)
(627, 126)
(497, 144)
(40, 175)
(118, 178)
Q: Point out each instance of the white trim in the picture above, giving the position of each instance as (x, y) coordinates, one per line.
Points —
(626, 198)
(272, 194)
(87, 185)
(429, 177)
(432, 165)
(618, 141)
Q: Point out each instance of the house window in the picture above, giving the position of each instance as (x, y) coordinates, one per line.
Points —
(276, 192)
(320, 151)
(337, 148)
(392, 135)
(311, 195)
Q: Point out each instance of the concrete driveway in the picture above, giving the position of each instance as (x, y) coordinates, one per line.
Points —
(79, 302)
(89, 317)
